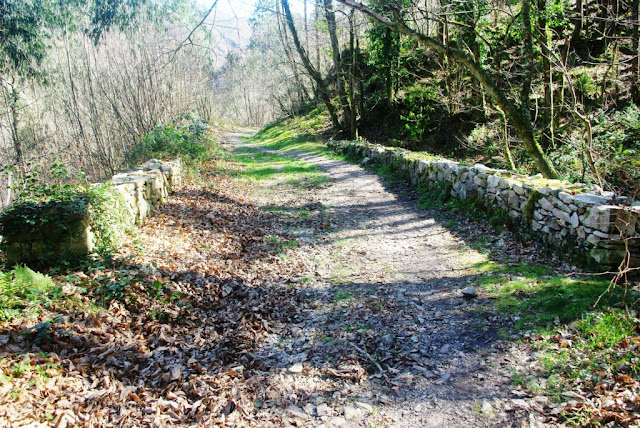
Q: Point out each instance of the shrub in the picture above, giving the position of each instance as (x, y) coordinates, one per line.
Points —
(21, 288)
(109, 217)
(186, 138)
(617, 140)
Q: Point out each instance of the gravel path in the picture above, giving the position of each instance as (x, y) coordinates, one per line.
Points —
(387, 339)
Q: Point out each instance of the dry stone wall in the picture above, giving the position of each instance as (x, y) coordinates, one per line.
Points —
(148, 186)
(71, 236)
(598, 224)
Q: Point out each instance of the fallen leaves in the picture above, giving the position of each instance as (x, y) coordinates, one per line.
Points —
(175, 340)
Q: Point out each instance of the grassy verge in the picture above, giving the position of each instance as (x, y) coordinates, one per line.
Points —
(257, 165)
(299, 134)
(586, 356)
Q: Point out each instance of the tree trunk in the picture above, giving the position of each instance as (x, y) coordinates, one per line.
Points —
(337, 65)
(15, 133)
(547, 135)
(520, 122)
(352, 74)
(323, 91)
(303, 95)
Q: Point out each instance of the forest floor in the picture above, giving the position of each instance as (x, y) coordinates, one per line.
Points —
(285, 289)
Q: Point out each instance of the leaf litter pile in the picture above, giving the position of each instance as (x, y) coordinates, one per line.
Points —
(167, 333)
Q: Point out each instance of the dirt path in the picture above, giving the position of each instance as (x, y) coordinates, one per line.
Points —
(268, 293)
(385, 337)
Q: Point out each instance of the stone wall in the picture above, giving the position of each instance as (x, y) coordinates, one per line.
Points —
(70, 236)
(148, 186)
(596, 223)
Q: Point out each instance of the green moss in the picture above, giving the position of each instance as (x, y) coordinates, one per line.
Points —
(422, 156)
(578, 344)
(530, 207)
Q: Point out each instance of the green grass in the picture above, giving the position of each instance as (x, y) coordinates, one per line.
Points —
(258, 165)
(343, 294)
(26, 371)
(289, 212)
(578, 345)
(540, 298)
(299, 134)
(279, 245)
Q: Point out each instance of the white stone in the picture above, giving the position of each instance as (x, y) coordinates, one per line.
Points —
(573, 220)
(364, 406)
(603, 235)
(545, 204)
(351, 413)
(565, 197)
(600, 217)
(493, 181)
(561, 215)
(593, 239)
(480, 181)
(296, 368)
(587, 199)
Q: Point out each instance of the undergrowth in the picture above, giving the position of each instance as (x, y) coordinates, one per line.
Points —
(186, 137)
(42, 204)
(23, 290)
(580, 348)
(298, 134)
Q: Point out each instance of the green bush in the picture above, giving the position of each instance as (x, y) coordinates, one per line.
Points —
(419, 106)
(109, 217)
(186, 138)
(617, 142)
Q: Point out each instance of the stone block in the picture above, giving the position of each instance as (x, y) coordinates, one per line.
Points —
(593, 239)
(546, 204)
(565, 197)
(514, 199)
(587, 199)
(574, 220)
(421, 166)
(480, 180)
(493, 181)
(626, 221)
(481, 169)
(601, 217)
(561, 216)
(580, 232)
